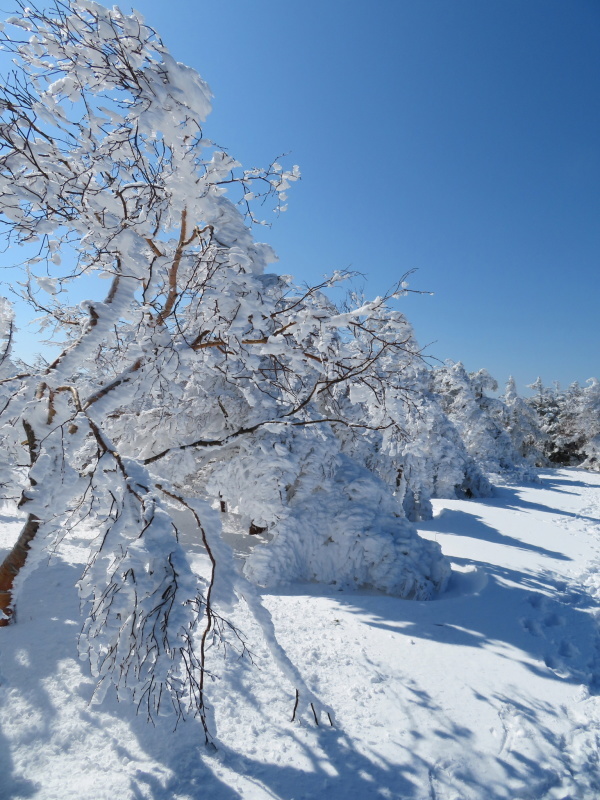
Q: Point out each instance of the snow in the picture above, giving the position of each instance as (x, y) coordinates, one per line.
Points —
(488, 692)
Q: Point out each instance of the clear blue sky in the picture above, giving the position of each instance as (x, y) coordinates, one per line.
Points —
(458, 137)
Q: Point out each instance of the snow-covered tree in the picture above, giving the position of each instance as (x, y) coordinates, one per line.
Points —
(419, 452)
(479, 420)
(557, 414)
(522, 426)
(570, 421)
(431, 460)
(437, 461)
(200, 379)
(11, 476)
(589, 415)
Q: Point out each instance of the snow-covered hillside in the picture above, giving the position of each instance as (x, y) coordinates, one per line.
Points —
(488, 692)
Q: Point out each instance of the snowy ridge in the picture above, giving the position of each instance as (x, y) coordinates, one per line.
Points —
(488, 693)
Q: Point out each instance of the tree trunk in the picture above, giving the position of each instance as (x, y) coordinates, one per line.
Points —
(11, 565)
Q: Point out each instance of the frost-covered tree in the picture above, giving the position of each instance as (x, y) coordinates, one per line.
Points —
(200, 379)
(431, 460)
(557, 413)
(570, 422)
(546, 406)
(589, 415)
(421, 455)
(478, 418)
(11, 475)
(437, 463)
(522, 426)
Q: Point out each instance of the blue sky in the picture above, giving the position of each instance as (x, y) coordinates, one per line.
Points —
(460, 138)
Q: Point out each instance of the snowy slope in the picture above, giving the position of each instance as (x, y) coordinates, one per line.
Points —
(488, 692)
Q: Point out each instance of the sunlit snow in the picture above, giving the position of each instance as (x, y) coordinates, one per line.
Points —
(488, 692)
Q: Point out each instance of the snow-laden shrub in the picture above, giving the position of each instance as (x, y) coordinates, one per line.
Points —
(591, 451)
(329, 518)
(437, 463)
(349, 532)
(419, 453)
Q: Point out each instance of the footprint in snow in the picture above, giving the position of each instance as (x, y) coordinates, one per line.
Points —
(536, 600)
(532, 626)
(552, 620)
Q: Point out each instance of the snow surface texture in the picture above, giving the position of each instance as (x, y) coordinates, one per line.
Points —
(490, 692)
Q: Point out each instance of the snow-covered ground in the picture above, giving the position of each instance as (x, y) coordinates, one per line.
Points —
(491, 691)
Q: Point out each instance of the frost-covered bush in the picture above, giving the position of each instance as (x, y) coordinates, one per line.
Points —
(349, 532)
(436, 458)
(329, 518)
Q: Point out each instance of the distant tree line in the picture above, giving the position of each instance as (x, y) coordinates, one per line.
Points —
(463, 438)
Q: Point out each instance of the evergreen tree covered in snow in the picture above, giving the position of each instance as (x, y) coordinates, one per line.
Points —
(478, 419)
(522, 426)
(557, 433)
(589, 405)
(436, 458)
(570, 422)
